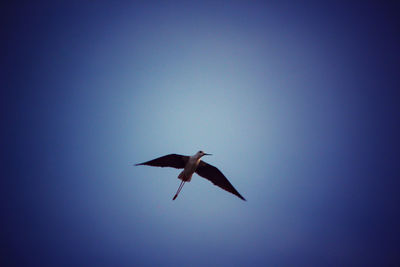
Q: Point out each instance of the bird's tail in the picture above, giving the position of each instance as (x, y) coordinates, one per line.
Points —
(185, 177)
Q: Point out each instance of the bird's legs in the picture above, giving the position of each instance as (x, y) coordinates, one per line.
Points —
(179, 189)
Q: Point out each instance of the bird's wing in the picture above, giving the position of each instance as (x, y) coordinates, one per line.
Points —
(214, 175)
(171, 160)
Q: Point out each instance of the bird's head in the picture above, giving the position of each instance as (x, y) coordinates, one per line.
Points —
(202, 153)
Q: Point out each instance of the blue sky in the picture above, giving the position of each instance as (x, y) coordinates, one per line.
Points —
(298, 103)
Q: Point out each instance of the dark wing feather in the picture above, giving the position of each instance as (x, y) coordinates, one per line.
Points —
(171, 160)
(214, 175)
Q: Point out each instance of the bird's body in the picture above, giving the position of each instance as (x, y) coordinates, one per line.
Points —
(190, 168)
(190, 165)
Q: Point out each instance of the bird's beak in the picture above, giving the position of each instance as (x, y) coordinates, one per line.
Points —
(206, 154)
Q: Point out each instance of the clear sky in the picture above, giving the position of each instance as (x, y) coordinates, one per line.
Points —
(298, 103)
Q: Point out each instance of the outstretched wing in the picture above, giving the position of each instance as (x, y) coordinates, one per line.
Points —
(171, 160)
(214, 175)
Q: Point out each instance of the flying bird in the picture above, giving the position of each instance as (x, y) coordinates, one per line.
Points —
(190, 165)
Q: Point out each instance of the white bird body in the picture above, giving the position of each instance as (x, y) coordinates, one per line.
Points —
(191, 166)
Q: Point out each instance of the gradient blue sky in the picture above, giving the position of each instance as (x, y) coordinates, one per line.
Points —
(298, 103)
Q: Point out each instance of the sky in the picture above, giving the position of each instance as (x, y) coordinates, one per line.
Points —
(297, 102)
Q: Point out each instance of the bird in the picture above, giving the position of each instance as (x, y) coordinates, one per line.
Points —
(190, 165)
